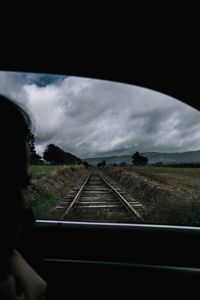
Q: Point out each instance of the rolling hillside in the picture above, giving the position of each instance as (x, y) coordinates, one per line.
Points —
(153, 157)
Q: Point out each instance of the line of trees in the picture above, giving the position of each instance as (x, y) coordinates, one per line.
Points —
(137, 160)
(56, 155)
(52, 154)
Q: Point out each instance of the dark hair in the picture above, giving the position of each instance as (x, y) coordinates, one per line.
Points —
(14, 130)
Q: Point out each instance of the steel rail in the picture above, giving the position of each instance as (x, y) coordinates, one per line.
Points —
(76, 197)
(123, 200)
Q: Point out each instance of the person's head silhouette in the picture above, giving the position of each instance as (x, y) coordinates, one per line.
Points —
(14, 128)
(14, 156)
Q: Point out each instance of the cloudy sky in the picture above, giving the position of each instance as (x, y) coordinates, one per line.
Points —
(92, 118)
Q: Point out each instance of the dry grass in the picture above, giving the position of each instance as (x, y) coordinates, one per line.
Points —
(47, 190)
(182, 178)
(170, 195)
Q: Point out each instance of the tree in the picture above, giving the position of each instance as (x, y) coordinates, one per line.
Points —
(101, 164)
(85, 163)
(139, 160)
(56, 155)
(34, 157)
(72, 159)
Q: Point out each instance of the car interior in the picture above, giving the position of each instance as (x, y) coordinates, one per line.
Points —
(94, 260)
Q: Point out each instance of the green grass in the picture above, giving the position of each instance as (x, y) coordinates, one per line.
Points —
(55, 183)
(38, 171)
(174, 211)
(41, 207)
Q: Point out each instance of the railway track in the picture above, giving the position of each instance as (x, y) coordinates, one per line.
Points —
(98, 199)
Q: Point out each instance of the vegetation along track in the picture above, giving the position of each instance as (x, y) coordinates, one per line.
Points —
(98, 200)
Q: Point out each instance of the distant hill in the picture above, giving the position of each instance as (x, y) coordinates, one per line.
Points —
(153, 157)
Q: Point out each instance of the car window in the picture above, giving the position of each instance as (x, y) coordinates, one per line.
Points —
(104, 151)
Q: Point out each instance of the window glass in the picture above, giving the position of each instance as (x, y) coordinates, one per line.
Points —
(108, 152)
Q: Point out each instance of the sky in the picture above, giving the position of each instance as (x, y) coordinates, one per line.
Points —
(96, 118)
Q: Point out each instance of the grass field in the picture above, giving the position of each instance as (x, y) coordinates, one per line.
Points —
(38, 171)
(171, 195)
(185, 178)
(49, 184)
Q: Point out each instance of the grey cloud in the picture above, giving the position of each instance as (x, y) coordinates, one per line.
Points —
(91, 117)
